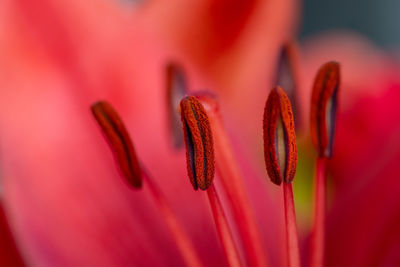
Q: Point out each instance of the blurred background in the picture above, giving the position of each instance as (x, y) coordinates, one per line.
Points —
(376, 20)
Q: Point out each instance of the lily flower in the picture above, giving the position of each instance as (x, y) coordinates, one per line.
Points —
(63, 197)
(66, 206)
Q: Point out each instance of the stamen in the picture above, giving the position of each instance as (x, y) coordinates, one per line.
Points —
(232, 182)
(323, 108)
(280, 149)
(323, 121)
(199, 143)
(176, 90)
(119, 140)
(122, 146)
(198, 139)
(281, 158)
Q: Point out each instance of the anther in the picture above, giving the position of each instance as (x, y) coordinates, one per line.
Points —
(176, 90)
(199, 143)
(323, 108)
(280, 149)
(117, 136)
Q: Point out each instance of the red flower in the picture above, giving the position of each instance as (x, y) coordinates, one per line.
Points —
(61, 191)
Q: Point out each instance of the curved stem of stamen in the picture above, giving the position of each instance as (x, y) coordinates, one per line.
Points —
(318, 234)
(232, 182)
(292, 242)
(223, 229)
(183, 242)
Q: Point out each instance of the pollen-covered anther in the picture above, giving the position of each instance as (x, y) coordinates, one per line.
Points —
(199, 143)
(280, 149)
(120, 142)
(324, 103)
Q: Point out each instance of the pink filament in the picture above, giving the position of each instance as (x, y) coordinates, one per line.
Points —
(223, 229)
(292, 242)
(318, 234)
(182, 240)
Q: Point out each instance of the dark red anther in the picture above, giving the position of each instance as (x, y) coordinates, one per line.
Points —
(117, 136)
(323, 108)
(199, 143)
(280, 149)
